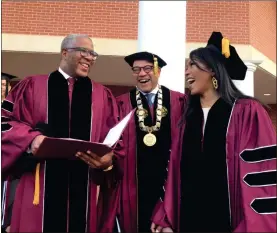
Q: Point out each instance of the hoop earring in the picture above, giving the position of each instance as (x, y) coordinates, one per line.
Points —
(215, 83)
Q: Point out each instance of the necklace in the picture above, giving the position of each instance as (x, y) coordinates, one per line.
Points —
(149, 139)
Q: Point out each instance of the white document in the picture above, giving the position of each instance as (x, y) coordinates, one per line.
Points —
(114, 134)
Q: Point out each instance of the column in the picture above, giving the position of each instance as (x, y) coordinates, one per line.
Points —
(246, 86)
(162, 30)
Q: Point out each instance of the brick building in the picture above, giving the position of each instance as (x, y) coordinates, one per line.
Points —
(32, 32)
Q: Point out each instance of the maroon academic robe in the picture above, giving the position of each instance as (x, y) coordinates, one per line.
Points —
(140, 162)
(25, 112)
(251, 168)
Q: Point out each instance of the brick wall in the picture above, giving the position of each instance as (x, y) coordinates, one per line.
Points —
(119, 19)
(262, 19)
(229, 17)
(242, 22)
(104, 19)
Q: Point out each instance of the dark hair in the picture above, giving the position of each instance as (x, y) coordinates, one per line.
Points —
(213, 60)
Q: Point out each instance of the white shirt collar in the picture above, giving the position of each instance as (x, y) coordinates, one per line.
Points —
(66, 76)
(154, 91)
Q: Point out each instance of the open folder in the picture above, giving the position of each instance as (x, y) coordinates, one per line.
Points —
(66, 148)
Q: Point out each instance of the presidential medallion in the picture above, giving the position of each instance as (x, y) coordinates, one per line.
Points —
(149, 139)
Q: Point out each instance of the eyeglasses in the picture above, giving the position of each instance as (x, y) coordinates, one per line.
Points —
(146, 69)
(85, 53)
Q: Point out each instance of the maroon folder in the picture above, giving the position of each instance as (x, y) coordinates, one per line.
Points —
(66, 148)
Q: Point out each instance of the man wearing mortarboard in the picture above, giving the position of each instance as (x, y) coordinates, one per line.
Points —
(5, 84)
(10, 186)
(148, 138)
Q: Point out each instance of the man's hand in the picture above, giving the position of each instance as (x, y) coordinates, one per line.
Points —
(36, 143)
(157, 228)
(96, 161)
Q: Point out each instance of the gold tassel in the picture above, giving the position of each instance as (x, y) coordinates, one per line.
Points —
(156, 67)
(225, 47)
(36, 192)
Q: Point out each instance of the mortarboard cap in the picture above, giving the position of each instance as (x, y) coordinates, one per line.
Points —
(144, 56)
(233, 63)
(150, 57)
(8, 77)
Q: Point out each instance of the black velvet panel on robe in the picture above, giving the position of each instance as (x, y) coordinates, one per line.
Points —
(204, 190)
(151, 161)
(66, 181)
